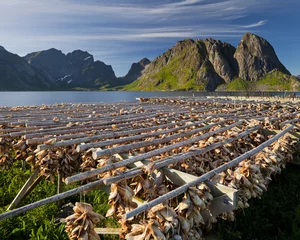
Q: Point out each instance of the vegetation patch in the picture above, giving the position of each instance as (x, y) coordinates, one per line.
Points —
(239, 84)
(276, 81)
(39, 223)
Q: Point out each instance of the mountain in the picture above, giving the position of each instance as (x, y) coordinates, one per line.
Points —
(76, 69)
(135, 71)
(256, 57)
(298, 76)
(17, 74)
(207, 64)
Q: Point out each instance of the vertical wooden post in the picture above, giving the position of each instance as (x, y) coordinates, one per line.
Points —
(59, 183)
(59, 187)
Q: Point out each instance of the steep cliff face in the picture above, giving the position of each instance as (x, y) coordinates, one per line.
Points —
(221, 56)
(17, 74)
(206, 64)
(135, 71)
(74, 69)
(256, 57)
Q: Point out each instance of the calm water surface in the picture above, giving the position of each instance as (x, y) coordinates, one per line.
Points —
(11, 99)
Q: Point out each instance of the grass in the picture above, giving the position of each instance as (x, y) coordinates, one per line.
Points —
(38, 223)
(239, 84)
(276, 81)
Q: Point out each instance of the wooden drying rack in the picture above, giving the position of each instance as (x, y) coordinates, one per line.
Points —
(128, 124)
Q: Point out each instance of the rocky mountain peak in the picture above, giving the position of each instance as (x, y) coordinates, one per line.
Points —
(76, 68)
(255, 57)
(2, 48)
(80, 56)
(144, 62)
(205, 64)
(135, 71)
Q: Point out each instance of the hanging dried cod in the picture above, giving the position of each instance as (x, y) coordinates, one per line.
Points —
(81, 224)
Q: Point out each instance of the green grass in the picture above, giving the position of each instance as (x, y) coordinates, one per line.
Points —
(38, 223)
(276, 81)
(240, 85)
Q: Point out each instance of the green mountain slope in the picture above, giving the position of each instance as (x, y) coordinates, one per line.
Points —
(210, 64)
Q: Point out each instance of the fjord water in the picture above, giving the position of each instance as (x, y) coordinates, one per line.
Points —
(10, 99)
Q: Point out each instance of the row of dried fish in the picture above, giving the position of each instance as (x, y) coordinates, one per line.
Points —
(183, 217)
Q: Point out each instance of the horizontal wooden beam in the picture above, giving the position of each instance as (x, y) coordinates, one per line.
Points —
(225, 198)
(102, 231)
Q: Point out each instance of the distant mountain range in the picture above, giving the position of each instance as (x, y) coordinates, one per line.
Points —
(190, 65)
(53, 70)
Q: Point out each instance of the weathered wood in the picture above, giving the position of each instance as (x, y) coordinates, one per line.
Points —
(128, 147)
(100, 125)
(225, 198)
(95, 172)
(59, 183)
(174, 159)
(33, 185)
(87, 139)
(54, 198)
(63, 137)
(142, 134)
(294, 135)
(114, 231)
(205, 176)
(20, 195)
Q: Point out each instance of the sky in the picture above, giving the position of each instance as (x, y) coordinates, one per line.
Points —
(120, 32)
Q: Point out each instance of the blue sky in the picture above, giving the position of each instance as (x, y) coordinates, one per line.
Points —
(120, 32)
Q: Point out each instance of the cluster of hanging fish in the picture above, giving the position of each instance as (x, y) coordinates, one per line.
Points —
(252, 176)
(64, 161)
(5, 158)
(188, 216)
(81, 224)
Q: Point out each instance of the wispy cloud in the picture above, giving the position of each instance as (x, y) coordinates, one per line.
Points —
(253, 25)
(30, 25)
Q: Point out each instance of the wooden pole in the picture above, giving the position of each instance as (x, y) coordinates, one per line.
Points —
(100, 153)
(204, 177)
(54, 198)
(176, 158)
(23, 190)
(89, 139)
(95, 172)
(59, 183)
(33, 185)
(81, 148)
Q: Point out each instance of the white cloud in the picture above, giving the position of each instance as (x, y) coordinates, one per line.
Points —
(253, 25)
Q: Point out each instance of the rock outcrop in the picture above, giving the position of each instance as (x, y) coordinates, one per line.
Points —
(256, 57)
(76, 69)
(17, 74)
(206, 64)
